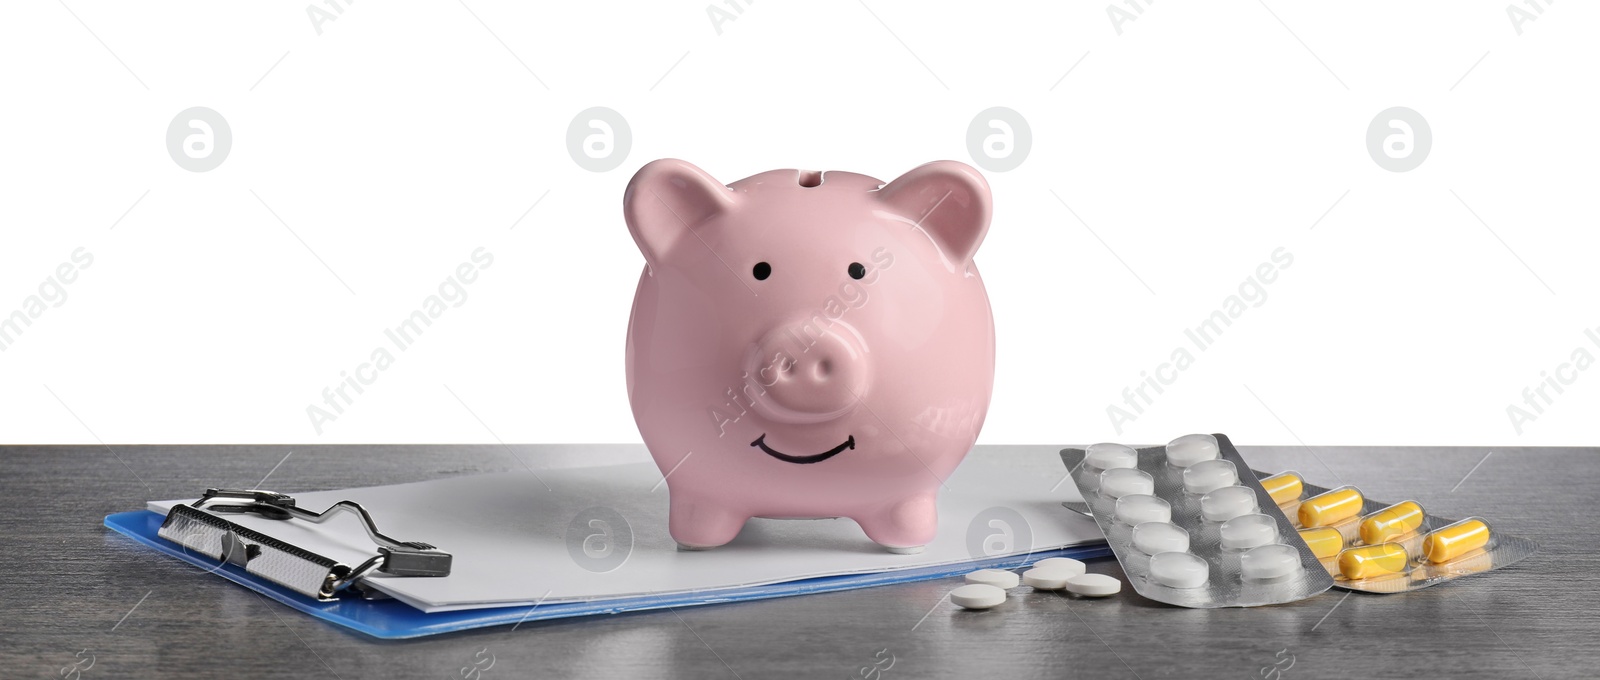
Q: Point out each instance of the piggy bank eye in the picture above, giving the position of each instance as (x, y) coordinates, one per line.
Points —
(762, 271)
(857, 270)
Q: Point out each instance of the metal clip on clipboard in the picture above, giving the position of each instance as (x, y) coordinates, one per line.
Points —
(288, 565)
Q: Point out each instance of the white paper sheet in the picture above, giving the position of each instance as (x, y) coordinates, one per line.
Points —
(507, 531)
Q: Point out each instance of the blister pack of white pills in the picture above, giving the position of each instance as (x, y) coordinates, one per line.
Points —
(1192, 526)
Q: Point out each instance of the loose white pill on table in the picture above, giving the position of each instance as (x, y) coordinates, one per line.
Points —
(1048, 578)
(1249, 531)
(1119, 482)
(998, 578)
(1179, 570)
(1151, 538)
(977, 596)
(1269, 562)
(1110, 456)
(1141, 507)
(1094, 585)
(1072, 566)
(1192, 448)
(1227, 503)
(1209, 475)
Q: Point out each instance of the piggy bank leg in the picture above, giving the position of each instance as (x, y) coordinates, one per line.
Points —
(697, 525)
(903, 527)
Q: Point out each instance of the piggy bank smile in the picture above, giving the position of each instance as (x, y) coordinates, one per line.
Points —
(761, 443)
(796, 312)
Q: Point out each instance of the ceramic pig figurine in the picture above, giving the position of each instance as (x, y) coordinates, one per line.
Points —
(808, 344)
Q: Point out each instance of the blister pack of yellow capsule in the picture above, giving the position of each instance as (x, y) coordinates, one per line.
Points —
(1379, 547)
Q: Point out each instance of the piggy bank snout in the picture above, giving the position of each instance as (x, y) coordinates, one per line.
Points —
(803, 373)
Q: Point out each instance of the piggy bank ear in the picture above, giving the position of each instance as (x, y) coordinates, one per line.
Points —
(947, 200)
(666, 199)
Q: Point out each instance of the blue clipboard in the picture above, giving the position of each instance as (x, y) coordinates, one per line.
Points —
(394, 620)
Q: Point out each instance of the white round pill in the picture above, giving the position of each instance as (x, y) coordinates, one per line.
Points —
(998, 578)
(1269, 562)
(1048, 578)
(1140, 507)
(1119, 482)
(1209, 475)
(977, 596)
(1227, 503)
(1192, 448)
(1094, 585)
(1249, 531)
(1179, 570)
(1151, 538)
(1108, 456)
(1071, 566)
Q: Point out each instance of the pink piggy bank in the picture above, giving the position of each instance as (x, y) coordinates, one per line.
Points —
(808, 344)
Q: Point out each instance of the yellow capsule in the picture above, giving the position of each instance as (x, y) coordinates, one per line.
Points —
(1331, 507)
(1455, 540)
(1325, 542)
(1370, 561)
(1283, 487)
(1391, 523)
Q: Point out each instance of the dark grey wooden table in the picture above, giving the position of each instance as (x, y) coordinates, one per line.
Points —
(80, 601)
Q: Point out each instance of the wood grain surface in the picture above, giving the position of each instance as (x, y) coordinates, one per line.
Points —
(80, 601)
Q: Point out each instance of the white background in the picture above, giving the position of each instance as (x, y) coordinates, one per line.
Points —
(405, 135)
